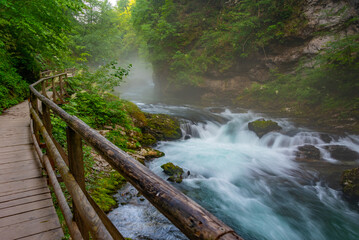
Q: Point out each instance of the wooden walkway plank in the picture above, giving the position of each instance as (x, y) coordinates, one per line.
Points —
(21, 168)
(10, 211)
(53, 234)
(26, 208)
(25, 229)
(19, 155)
(11, 177)
(16, 142)
(12, 149)
(26, 216)
(25, 200)
(24, 194)
(16, 164)
(20, 186)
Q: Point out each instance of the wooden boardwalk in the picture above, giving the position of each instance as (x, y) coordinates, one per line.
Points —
(26, 208)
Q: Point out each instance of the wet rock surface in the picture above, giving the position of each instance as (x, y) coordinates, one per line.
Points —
(350, 183)
(173, 171)
(262, 127)
(325, 138)
(307, 153)
(342, 153)
(163, 127)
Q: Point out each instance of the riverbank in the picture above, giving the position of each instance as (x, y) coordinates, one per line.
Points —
(341, 118)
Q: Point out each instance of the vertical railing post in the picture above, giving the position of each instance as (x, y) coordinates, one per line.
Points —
(76, 165)
(43, 89)
(54, 94)
(34, 105)
(46, 118)
(65, 84)
(61, 91)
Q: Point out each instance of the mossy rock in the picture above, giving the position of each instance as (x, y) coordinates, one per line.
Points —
(175, 172)
(138, 117)
(262, 127)
(110, 97)
(148, 140)
(163, 127)
(104, 187)
(350, 183)
(150, 153)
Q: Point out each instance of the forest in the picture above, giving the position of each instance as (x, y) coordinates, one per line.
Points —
(191, 45)
(289, 59)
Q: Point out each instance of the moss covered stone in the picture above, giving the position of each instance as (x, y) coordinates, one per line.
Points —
(103, 188)
(262, 127)
(148, 140)
(163, 127)
(173, 171)
(138, 117)
(350, 183)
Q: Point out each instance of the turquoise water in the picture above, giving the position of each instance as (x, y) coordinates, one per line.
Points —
(253, 184)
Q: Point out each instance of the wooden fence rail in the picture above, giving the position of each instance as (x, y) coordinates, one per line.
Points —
(193, 220)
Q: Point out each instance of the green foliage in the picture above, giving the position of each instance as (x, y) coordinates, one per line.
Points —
(131, 44)
(12, 88)
(332, 83)
(102, 81)
(96, 37)
(33, 36)
(192, 38)
(34, 33)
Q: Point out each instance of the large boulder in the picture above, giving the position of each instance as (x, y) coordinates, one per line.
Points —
(350, 183)
(262, 127)
(138, 117)
(173, 171)
(307, 153)
(342, 153)
(163, 127)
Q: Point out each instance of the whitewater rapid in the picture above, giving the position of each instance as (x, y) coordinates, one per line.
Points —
(255, 185)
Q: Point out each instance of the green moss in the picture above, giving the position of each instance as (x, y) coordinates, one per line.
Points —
(175, 172)
(163, 127)
(125, 139)
(350, 183)
(148, 139)
(104, 188)
(261, 126)
(138, 117)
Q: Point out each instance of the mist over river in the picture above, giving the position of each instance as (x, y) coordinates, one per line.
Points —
(255, 185)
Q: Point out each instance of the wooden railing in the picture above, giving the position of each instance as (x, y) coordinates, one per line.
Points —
(193, 220)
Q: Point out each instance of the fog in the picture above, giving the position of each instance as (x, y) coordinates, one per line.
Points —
(138, 86)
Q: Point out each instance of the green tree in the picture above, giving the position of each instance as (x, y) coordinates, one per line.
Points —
(97, 36)
(189, 38)
(33, 36)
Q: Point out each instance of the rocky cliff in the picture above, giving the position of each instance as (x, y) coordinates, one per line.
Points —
(321, 21)
(311, 25)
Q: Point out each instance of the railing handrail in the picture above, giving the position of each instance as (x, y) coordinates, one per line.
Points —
(192, 219)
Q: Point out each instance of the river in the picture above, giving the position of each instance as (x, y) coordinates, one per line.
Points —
(258, 186)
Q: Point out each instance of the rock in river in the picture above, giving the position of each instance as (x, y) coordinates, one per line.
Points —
(175, 172)
(350, 183)
(262, 127)
(307, 153)
(342, 153)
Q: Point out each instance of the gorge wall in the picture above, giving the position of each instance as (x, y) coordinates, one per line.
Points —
(316, 23)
